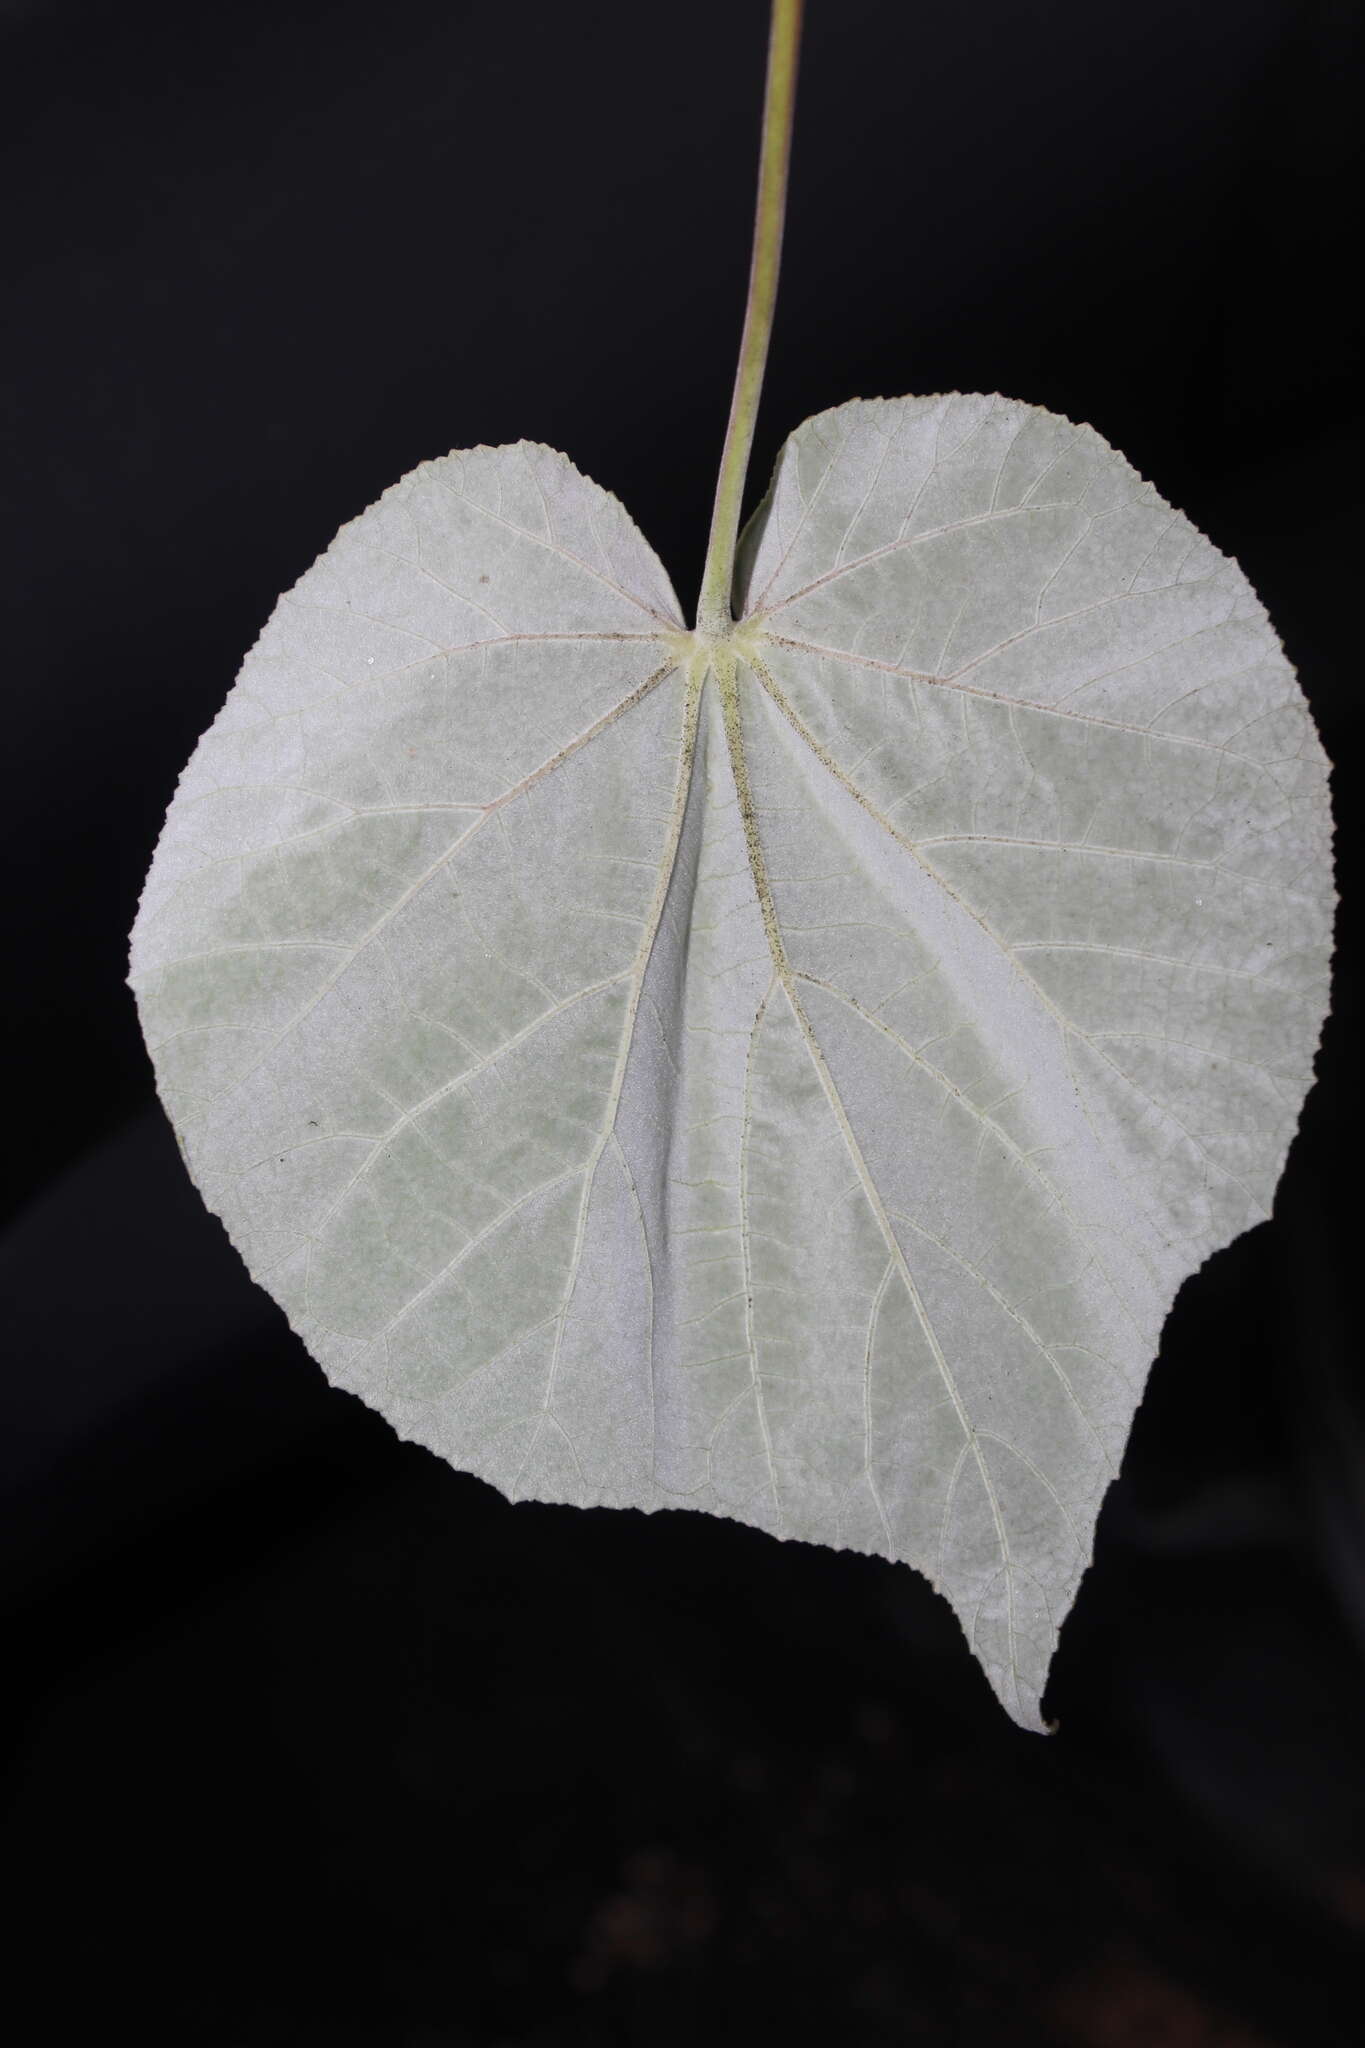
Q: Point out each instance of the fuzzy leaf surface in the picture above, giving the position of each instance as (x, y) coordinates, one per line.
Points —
(789, 1080)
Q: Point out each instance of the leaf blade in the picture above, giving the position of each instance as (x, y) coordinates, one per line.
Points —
(787, 1078)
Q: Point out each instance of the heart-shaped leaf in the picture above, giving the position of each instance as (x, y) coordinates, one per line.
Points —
(784, 1071)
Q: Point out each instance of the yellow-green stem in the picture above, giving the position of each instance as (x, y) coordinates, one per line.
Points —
(779, 99)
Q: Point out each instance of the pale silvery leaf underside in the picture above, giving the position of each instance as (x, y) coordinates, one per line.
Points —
(788, 1077)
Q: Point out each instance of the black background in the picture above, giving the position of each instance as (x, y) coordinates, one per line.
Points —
(313, 1740)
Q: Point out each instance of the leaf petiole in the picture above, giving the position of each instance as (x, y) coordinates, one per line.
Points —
(714, 617)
